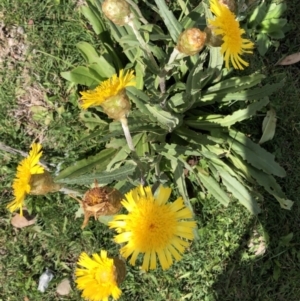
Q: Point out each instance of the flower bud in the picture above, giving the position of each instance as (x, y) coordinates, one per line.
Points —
(191, 41)
(100, 201)
(41, 184)
(231, 4)
(212, 39)
(120, 269)
(117, 107)
(117, 11)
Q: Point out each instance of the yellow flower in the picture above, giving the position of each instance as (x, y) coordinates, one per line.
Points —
(98, 278)
(153, 227)
(107, 89)
(226, 25)
(21, 185)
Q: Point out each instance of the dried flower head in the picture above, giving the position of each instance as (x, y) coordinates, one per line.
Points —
(100, 201)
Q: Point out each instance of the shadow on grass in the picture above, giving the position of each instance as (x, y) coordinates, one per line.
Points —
(266, 266)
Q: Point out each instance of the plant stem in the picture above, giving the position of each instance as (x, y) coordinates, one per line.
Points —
(127, 133)
(143, 44)
(135, 157)
(136, 8)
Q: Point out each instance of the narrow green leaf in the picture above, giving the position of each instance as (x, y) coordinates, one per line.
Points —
(164, 118)
(248, 94)
(272, 187)
(104, 177)
(214, 188)
(243, 114)
(174, 27)
(91, 14)
(81, 75)
(97, 63)
(254, 154)
(239, 191)
(268, 126)
(96, 162)
(233, 83)
(124, 152)
(195, 18)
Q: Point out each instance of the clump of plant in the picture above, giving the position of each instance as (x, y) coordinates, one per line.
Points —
(164, 87)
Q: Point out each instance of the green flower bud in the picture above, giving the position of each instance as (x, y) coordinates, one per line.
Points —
(117, 107)
(191, 41)
(41, 184)
(117, 11)
(211, 38)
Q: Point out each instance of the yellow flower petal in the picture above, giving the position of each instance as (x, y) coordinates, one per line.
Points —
(226, 25)
(98, 279)
(107, 89)
(26, 168)
(153, 227)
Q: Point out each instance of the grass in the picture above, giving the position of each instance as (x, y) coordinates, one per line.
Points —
(222, 265)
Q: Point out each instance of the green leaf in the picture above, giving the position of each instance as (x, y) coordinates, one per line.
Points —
(81, 75)
(263, 43)
(164, 118)
(272, 187)
(91, 120)
(239, 191)
(244, 95)
(192, 136)
(214, 188)
(91, 13)
(105, 177)
(242, 114)
(174, 27)
(179, 177)
(140, 99)
(98, 161)
(268, 126)
(97, 63)
(254, 154)
(124, 152)
(257, 15)
(195, 18)
(234, 84)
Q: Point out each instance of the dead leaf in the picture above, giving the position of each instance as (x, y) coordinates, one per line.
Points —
(19, 221)
(64, 287)
(290, 59)
(268, 126)
(26, 299)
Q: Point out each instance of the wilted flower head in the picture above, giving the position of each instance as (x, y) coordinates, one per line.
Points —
(226, 25)
(110, 95)
(25, 170)
(118, 11)
(191, 41)
(153, 227)
(99, 276)
(100, 201)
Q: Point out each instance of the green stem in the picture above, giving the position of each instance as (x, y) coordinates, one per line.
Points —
(143, 44)
(136, 8)
(127, 133)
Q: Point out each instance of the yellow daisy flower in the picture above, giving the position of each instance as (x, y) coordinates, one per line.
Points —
(107, 89)
(153, 227)
(21, 185)
(98, 277)
(226, 25)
